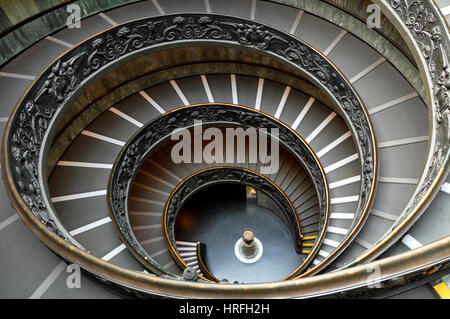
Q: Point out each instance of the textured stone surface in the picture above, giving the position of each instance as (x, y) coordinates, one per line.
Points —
(26, 35)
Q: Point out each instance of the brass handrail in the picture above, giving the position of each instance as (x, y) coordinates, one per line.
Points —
(202, 265)
(292, 211)
(414, 261)
(34, 16)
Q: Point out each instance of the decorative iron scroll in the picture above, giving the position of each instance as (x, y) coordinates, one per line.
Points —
(49, 94)
(137, 150)
(423, 21)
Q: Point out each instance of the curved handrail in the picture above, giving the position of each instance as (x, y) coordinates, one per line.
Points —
(226, 174)
(428, 36)
(431, 254)
(202, 265)
(412, 263)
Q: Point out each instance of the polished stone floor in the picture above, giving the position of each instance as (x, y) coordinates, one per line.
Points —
(217, 216)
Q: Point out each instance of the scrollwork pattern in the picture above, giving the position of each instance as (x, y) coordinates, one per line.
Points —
(422, 21)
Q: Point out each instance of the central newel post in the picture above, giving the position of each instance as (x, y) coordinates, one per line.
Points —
(248, 248)
(248, 245)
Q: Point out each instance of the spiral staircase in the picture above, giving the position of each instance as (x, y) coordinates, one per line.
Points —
(361, 193)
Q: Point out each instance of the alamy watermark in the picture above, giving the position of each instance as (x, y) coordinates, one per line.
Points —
(74, 19)
(373, 280)
(373, 16)
(227, 146)
(74, 279)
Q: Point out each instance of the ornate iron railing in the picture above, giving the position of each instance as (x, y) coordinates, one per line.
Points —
(219, 175)
(149, 137)
(427, 34)
(33, 123)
